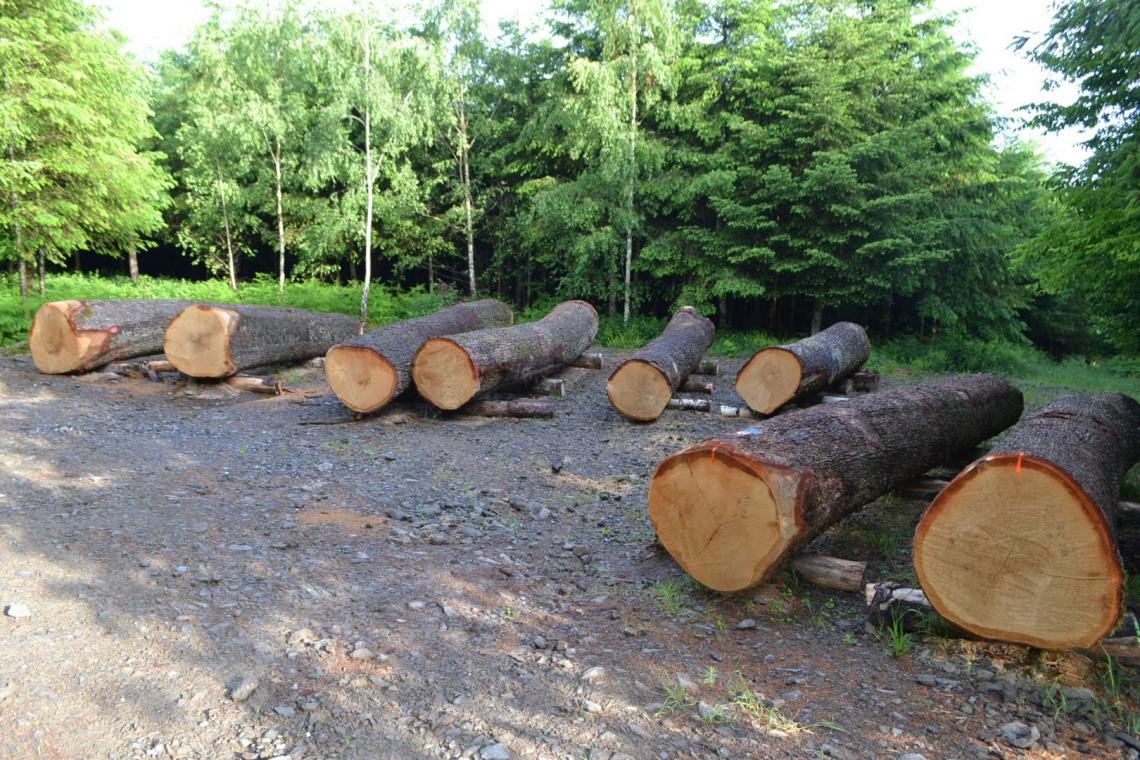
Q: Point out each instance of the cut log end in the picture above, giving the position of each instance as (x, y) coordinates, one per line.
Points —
(1014, 549)
(639, 390)
(444, 373)
(724, 518)
(197, 341)
(361, 378)
(56, 344)
(770, 379)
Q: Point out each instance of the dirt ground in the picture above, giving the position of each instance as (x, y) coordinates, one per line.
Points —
(227, 577)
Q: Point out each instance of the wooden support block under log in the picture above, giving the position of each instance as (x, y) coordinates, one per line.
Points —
(774, 376)
(690, 404)
(830, 572)
(844, 387)
(551, 386)
(78, 336)
(732, 508)
(708, 367)
(450, 371)
(254, 384)
(641, 386)
(696, 386)
(587, 361)
(367, 371)
(217, 341)
(525, 408)
(1021, 546)
(865, 381)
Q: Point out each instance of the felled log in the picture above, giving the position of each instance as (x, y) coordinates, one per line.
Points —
(776, 375)
(368, 371)
(1021, 545)
(78, 336)
(255, 384)
(551, 386)
(450, 371)
(830, 572)
(217, 341)
(641, 386)
(690, 404)
(590, 360)
(522, 407)
(708, 367)
(732, 508)
(865, 381)
(690, 385)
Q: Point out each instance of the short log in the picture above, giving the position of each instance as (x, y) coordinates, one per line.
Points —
(523, 407)
(830, 572)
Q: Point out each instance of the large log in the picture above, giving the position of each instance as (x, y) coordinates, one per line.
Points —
(368, 371)
(450, 371)
(641, 386)
(1021, 545)
(730, 509)
(218, 340)
(779, 374)
(77, 336)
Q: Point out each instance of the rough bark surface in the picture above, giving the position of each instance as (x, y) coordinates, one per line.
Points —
(641, 386)
(732, 508)
(77, 336)
(519, 407)
(451, 371)
(351, 367)
(774, 376)
(219, 340)
(1036, 519)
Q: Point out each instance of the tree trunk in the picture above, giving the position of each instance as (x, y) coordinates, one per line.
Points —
(816, 315)
(774, 376)
(1021, 545)
(17, 229)
(641, 386)
(465, 178)
(369, 176)
(450, 371)
(368, 371)
(521, 407)
(731, 508)
(77, 336)
(280, 216)
(217, 341)
(230, 264)
(41, 260)
(133, 264)
(632, 172)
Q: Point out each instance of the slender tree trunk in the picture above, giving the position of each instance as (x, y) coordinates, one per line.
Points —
(468, 204)
(133, 264)
(75, 266)
(369, 175)
(722, 311)
(226, 224)
(24, 285)
(280, 216)
(632, 178)
(816, 315)
(23, 265)
(42, 270)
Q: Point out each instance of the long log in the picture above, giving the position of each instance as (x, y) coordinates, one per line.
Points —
(779, 374)
(519, 407)
(78, 336)
(1021, 545)
(730, 509)
(211, 341)
(368, 371)
(452, 370)
(641, 386)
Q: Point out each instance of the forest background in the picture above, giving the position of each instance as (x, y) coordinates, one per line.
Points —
(778, 165)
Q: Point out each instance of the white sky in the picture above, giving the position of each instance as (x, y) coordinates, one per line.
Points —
(151, 27)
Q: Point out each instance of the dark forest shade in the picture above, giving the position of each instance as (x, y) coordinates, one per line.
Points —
(730, 509)
(1021, 545)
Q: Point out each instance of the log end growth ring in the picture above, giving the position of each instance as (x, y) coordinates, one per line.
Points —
(769, 380)
(639, 390)
(723, 518)
(444, 373)
(57, 345)
(361, 378)
(197, 341)
(1014, 549)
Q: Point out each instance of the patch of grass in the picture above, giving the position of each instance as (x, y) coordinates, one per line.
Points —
(711, 676)
(899, 641)
(676, 698)
(759, 709)
(672, 595)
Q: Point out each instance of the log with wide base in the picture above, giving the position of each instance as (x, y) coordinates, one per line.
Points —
(451, 371)
(78, 336)
(368, 371)
(1021, 545)
(641, 386)
(730, 509)
(218, 340)
(779, 374)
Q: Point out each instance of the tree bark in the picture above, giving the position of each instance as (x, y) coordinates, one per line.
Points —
(132, 264)
(730, 509)
(1021, 546)
(41, 260)
(774, 376)
(77, 336)
(369, 177)
(219, 340)
(590, 360)
(231, 265)
(830, 572)
(816, 315)
(368, 371)
(280, 215)
(450, 371)
(641, 386)
(521, 407)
